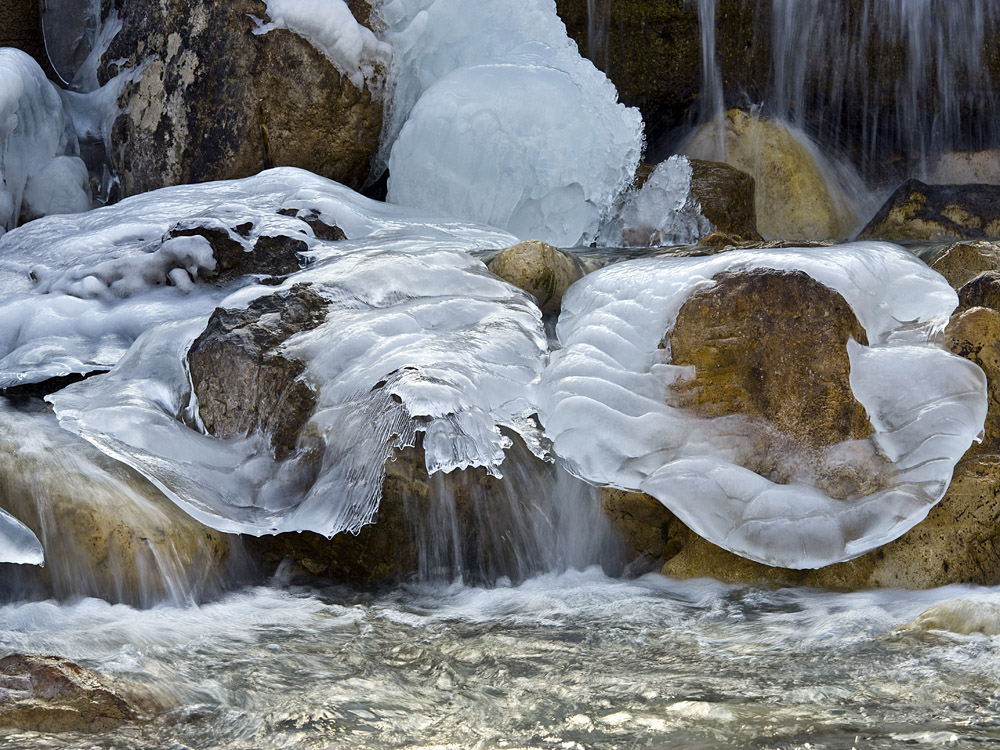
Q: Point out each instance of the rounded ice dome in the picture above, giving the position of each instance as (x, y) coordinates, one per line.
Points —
(524, 144)
(608, 402)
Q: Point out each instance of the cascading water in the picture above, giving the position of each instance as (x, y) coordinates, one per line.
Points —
(598, 26)
(887, 79)
(712, 95)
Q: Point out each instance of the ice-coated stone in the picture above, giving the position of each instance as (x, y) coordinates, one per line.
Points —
(416, 336)
(495, 117)
(662, 212)
(37, 144)
(926, 406)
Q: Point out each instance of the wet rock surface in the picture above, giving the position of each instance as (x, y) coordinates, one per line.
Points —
(727, 198)
(243, 382)
(961, 262)
(50, 694)
(539, 269)
(917, 211)
(794, 201)
(215, 101)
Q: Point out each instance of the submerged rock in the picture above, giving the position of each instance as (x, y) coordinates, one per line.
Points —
(917, 211)
(50, 694)
(962, 616)
(795, 200)
(539, 269)
(213, 99)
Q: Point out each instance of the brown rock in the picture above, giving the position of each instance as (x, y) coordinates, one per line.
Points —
(772, 344)
(243, 383)
(539, 269)
(975, 334)
(961, 262)
(21, 27)
(726, 196)
(643, 522)
(982, 291)
(51, 694)
(216, 101)
(794, 199)
(937, 212)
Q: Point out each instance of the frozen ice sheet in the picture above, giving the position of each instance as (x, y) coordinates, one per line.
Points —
(603, 402)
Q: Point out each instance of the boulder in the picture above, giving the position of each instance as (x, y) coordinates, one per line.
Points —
(106, 531)
(917, 211)
(51, 694)
(795, 199)
(962, 616)
(966, 168)
(539, 269)
(212, 100)
(243, 382)
(961, 262)
(727, 198)
(982, 291)
(749, 338)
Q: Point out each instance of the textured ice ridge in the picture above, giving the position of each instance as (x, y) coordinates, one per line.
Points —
(418, 338)
(495, 117)
(604, 406)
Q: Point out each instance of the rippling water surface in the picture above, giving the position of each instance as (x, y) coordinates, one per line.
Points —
(577, 660)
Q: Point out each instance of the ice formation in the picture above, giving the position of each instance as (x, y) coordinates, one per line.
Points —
(604, 403)
(418, 337)
(495, 117)
(662, 212)
(330, 26)
(18, 544)
(37, 144)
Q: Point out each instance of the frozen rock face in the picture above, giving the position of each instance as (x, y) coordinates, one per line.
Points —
(937, 212)
(39, 173)
(222, 90)
(409, 335)
(496, 118)
(797, 196)
(924, 405)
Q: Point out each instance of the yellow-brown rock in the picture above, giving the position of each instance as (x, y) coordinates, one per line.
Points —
(727, 199)
(539, 269)
(772, 344)
(974, 333)
(106, 531)
(794, 200)
(917, 211)
(961, 262)
(51, 694)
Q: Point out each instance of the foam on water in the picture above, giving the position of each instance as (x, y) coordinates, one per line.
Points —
(925, 404)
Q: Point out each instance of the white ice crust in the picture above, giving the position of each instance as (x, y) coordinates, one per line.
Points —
(18, 544)
(37, 143)
(418, 337)
(662, 212)
(603, 402)
(496, 118)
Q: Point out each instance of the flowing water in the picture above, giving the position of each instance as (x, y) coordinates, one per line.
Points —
(570, 661)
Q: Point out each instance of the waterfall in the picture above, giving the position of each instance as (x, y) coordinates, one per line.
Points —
(712, 101)
(896, 77)
(598, 24)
